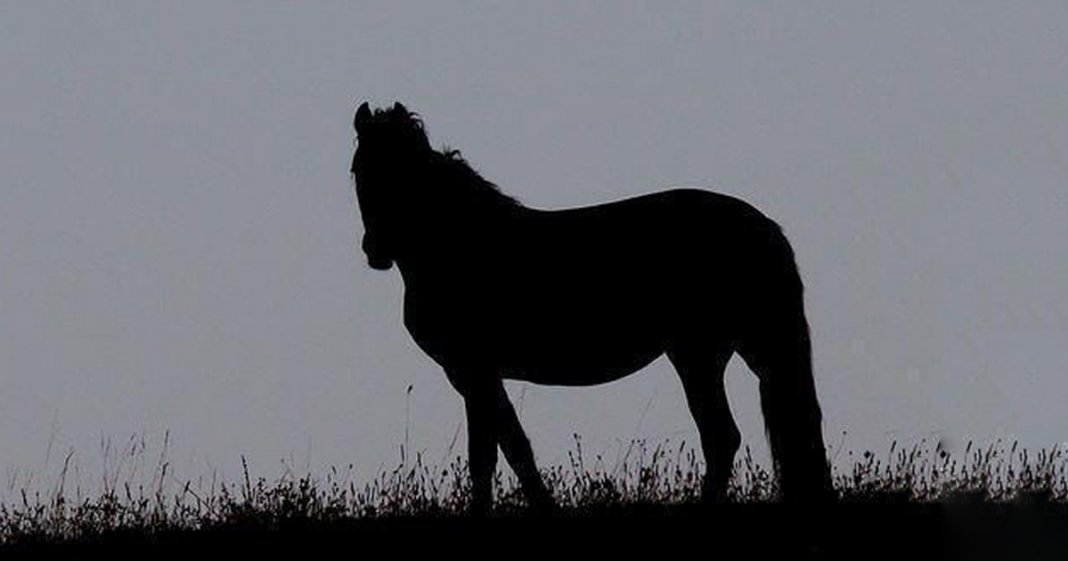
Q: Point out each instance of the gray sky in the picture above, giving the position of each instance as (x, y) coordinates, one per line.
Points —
(178, 232)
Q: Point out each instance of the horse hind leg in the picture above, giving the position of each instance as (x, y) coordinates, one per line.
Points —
(701, 369)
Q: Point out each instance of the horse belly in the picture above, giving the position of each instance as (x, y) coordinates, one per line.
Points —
(570, 373)
(577, 353)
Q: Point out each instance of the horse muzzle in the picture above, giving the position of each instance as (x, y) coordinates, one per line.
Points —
(378, 259)
(380, 264)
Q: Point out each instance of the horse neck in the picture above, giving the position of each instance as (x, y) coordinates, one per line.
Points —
(454, 234)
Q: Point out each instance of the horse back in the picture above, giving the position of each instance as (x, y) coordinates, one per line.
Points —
(660, 240)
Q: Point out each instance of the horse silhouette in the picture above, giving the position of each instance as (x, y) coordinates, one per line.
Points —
(496, 290)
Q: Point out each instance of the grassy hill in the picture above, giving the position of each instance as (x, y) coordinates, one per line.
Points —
(917, 501)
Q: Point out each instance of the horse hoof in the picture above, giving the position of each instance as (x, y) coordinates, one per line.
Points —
(542, 506)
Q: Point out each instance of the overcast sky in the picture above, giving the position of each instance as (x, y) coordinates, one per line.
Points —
(179, 236)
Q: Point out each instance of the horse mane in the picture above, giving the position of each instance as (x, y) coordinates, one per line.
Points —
(446, 167)
(457, 174)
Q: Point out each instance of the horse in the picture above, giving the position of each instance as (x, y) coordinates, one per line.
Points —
(495, 290)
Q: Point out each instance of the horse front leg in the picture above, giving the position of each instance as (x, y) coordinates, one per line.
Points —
(491, 420)
(479, 404)
(520, 456)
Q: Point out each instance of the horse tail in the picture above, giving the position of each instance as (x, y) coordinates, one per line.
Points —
(776, 345)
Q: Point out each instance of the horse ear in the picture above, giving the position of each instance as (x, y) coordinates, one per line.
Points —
(363, 114)
(400, 108)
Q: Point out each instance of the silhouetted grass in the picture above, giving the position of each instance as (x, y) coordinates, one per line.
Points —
(649, 478)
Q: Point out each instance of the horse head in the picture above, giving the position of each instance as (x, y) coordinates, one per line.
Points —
(391, 143)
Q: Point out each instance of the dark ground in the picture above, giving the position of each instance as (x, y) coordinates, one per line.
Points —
(742, 531)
